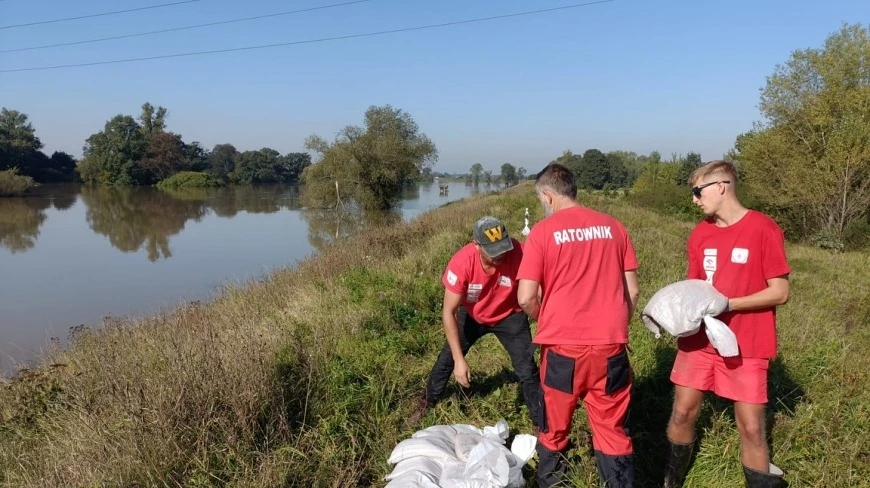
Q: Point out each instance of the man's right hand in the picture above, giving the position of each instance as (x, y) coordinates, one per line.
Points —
(462, 373)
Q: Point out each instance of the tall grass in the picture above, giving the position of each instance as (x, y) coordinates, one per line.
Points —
(306, 378)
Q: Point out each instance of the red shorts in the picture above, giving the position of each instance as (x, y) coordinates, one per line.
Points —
(739, 379)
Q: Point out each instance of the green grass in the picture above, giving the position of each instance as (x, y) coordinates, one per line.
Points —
(306, 378)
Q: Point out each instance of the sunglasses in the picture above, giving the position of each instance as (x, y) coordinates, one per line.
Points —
(697, 189)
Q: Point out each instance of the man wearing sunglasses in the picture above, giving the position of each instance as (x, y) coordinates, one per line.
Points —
(741, 252)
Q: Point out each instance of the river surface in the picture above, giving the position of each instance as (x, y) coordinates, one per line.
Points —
(71, 255)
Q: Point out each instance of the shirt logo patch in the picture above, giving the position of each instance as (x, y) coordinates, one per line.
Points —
(504, 281)
(473, 293)
(739, 255)
(451, 277)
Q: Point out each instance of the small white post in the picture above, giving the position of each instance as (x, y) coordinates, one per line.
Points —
(526, 229)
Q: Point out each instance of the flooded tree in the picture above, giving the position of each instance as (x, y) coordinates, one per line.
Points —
(369, 165)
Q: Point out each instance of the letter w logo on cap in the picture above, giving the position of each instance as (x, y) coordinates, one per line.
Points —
(493, 234)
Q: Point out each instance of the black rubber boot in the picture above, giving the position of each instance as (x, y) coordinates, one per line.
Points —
(615, 471)
(757, 479)
(551, 466)
(679, 456)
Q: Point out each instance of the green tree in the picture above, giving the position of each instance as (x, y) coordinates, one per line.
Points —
(810, 157)
(261, 166)
(222, 160)
(569, 160)
(163, 157)
(521, 173)
(195, 157)
(487, 177)
(593, 171)
(151, 120)
(475, 172)
(112, 156)
(508, 174)
(292, 165)
(369, 165)
(18, 140)
(687, 166)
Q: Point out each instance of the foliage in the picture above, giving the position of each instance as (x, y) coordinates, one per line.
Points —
(189, 179)
(809, 161)
(21, 148)
(112, 156)
(475, 172)
(267, 166)
(369, 165)
(690, 163)
(509, 174)
(222, 160)
(14, 184)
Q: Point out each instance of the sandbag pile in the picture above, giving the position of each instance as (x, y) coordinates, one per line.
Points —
(680, 307)
(460, 456)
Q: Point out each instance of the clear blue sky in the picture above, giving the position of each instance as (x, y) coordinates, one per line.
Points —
(672, 76)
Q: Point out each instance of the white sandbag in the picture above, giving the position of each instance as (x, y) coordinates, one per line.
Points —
(722, 338)
(432, 447)
(487, 463)
(679, 309)
(417, 464)
(464, 442)
(497, 432)
(523, 448)
(413, 480)
(452, 471)
(459, 428)
(443, 431)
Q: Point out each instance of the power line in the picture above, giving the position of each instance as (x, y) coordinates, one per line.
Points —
(174, 29)
(311, 41)
(102, 14)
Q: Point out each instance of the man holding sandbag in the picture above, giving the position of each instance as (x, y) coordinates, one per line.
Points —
(740, 252)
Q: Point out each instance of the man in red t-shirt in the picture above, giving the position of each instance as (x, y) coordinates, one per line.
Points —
(480, 298)
(741, 252)
(584, 265)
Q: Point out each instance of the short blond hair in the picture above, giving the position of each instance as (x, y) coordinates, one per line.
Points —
(724, 168)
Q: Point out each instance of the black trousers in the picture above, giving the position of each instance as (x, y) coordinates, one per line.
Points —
(515, 336)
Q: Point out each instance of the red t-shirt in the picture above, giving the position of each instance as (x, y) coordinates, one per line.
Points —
(488, 298)
(738, 260)
(579, 257)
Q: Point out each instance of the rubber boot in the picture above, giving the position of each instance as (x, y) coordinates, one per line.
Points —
(757, 479)
(615, 471)
(551, 466)
(679, 456)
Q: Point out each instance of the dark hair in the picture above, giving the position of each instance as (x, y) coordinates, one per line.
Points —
(559, 179)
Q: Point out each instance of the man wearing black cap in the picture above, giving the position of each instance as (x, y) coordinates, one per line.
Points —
(480, 298)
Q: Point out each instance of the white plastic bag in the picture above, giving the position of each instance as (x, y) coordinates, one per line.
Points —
(417, 464)
(464, 442)
(413, 479)
(435, 448)
(722, 338)
(679, 309)
(461, 456)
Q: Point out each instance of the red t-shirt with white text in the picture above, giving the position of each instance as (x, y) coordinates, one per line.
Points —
(579, 257)
(488, 298)
(738, 260)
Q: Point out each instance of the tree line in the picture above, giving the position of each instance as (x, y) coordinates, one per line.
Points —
(139, 151)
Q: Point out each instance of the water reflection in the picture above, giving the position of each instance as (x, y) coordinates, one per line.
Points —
(327, 226)
(142, 218)
(146, 219)
(19, 222)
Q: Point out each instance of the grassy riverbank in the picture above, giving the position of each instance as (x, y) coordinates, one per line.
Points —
(306, 378)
